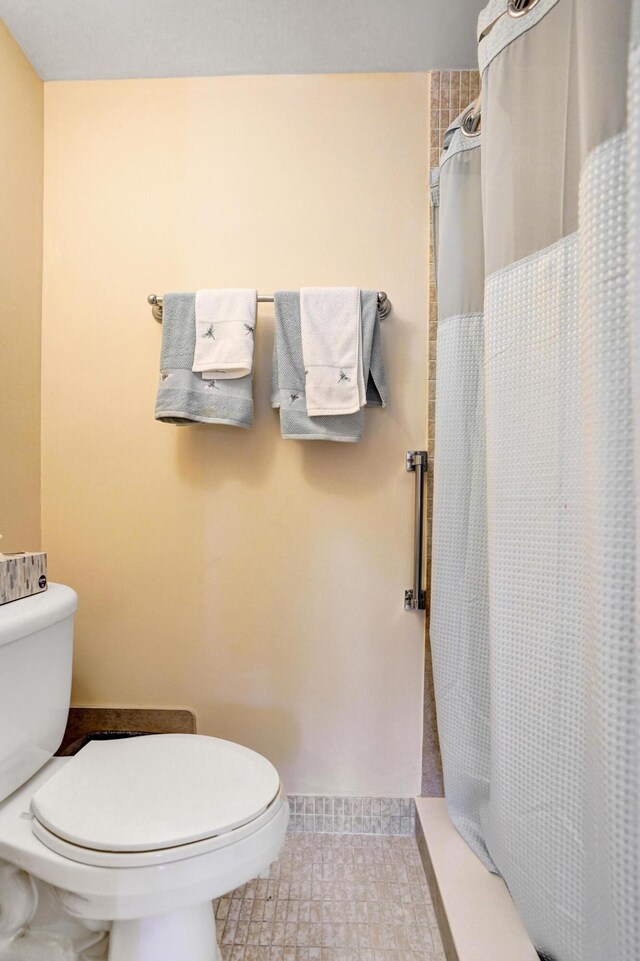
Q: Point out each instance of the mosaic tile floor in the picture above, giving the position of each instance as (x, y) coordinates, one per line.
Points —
(334, 898)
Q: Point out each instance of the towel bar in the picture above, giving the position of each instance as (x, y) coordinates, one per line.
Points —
(384, 304)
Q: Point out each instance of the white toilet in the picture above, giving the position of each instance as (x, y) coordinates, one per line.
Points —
(135, 835)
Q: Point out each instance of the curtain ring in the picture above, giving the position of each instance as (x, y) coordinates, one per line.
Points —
(518, 8)
(471, 119)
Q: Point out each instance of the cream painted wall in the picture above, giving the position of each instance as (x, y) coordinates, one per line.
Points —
(21, 173)
(257, 581)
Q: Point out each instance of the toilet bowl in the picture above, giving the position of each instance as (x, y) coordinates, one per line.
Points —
(138, 835)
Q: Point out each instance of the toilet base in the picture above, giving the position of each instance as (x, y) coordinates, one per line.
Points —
(188, 933)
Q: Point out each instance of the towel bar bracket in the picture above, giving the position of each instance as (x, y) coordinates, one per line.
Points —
(415, 598)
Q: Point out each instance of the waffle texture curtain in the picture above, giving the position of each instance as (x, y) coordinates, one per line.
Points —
(459, 578)
(535, 589)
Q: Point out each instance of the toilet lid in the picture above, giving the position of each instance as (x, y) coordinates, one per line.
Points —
(159, 791)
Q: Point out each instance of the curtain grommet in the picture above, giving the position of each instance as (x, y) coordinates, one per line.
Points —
(471, 119)
(518, 8)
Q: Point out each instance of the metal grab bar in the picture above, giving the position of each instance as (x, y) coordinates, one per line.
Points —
(415, 599)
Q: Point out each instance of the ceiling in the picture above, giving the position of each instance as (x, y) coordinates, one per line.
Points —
(106, 39)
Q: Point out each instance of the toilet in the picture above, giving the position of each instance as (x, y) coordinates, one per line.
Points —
(135, 836)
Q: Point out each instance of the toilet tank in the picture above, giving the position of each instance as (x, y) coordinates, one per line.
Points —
(36, 645)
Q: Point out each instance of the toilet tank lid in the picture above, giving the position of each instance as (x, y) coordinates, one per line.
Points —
(31, 614)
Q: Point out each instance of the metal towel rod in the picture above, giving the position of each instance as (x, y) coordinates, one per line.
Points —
(384, 304)
(415, 599)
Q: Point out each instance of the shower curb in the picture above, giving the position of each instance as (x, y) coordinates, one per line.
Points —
(475, 913)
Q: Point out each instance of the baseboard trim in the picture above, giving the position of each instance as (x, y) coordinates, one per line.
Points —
(351, 815)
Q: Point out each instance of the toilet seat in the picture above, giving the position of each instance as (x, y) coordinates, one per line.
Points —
(150, 859)
(153, 799)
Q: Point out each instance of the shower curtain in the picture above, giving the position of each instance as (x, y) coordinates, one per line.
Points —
(534, 608)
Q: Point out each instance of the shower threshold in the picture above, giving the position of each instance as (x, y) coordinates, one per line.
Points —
(476, 916)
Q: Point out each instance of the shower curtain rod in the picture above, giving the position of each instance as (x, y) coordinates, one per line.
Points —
(384, 304)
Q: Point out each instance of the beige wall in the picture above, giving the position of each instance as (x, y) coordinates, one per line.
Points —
(21, 163)
(254, 580)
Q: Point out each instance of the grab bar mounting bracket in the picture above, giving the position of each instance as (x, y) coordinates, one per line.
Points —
(415, 458)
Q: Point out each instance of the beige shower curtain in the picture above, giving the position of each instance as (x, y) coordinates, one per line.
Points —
(541, 681)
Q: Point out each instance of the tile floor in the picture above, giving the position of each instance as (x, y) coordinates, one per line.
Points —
(334, 898)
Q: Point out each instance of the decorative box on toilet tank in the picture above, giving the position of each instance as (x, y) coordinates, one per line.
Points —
(22, 575)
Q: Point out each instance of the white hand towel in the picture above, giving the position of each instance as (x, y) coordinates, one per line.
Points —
(225, 333)
(331, 329)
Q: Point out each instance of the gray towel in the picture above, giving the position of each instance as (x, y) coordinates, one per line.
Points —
(287, 377)
(374, 374)
(183, 396)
